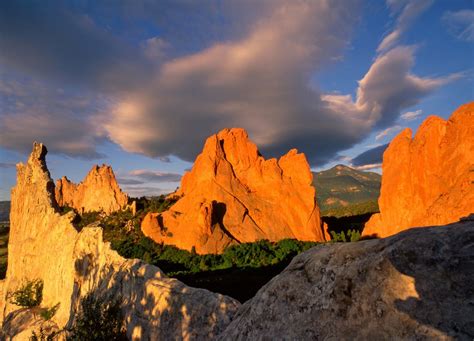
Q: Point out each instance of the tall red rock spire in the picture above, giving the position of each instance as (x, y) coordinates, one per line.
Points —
(429, 179)
(232, 194)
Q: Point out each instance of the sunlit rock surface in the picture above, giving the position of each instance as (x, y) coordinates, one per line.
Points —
(429, 179)
(416, 285)
(99, 191)
(45, 245)
(232, 194)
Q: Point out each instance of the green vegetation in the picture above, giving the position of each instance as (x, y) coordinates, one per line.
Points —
(175, 261)
(48, 313)
(352, 210)
(348, 236)
(344, 191)
(98, 319)
(43, 335)
(29, 295)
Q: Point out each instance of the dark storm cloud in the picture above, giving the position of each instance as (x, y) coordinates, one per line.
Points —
(370, 157)
(214, 65)
(48, 40)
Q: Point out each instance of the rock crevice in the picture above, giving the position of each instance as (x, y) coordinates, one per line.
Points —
(264, 199)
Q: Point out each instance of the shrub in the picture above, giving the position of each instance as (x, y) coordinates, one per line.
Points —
(48, 313)
(28, 295)
(350, 235)
(43, 335)
(98, 319)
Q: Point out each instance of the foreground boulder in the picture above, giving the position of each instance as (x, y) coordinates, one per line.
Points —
(427, 180)
(99, 191)
(233, 195)
(45, 245)
(415, 285)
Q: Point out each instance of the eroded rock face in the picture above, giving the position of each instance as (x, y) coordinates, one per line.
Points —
(45, 245)
(415, 285)
(232, 194)
(98, 191)
(427, 180)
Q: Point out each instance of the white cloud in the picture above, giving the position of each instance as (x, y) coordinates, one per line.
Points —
(410, 9)
(387, 132)
(261, 83)
(411, 115)
(373, 166)
(460, 24)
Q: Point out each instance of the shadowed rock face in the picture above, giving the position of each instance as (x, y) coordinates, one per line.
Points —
(45, 245)
(415, 285)
(98, 191)
(232, 194)
(427, 180)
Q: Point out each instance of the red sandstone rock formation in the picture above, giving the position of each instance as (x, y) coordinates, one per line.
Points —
(427, 180)
(234, 195)
(98, 191)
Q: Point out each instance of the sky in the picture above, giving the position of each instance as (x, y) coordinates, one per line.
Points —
(141, 84)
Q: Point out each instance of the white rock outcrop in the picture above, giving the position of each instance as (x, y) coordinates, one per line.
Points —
(46, 245)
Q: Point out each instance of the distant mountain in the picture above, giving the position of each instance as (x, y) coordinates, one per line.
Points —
(4, 210)
(343, 190)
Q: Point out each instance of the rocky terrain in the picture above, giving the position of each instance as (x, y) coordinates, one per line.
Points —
(99, 191)
(416, 285)
(232, 195)
(429, 179)
(45, 245)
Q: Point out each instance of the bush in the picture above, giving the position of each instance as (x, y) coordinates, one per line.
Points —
(43, 335)
(28, 295)
(350, 235)
(48, 313)
(98, 319)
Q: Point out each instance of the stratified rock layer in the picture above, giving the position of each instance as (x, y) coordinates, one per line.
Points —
(416, 285)
(45, 245)
(233, 195)
(427, 180)
(99, 191)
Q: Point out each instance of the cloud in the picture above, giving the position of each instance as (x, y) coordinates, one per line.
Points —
(165, 159)
(370, 157)
(387, 132)
(32, 111)
(410, 9)
(141, 191)
(125, 181)
(155, 176)
(411, 115)
(460, 24)
(7, 165)
(369, 167)
(260, 83)
(389, 86)
(159, 99)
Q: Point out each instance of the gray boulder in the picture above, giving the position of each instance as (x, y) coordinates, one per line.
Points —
(418, 284)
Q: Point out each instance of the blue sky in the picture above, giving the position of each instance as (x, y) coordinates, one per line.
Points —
(140, 85)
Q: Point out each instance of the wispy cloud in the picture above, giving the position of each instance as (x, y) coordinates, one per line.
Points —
(372, 166)
(388, 132)
(155, 176)
(460, 24)
(411, 115)
(409, 10)
(7, 165)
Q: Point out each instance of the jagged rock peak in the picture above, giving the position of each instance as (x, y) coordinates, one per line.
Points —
(232, 194)
(98, 191)
(44, 245)
(429, 179)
